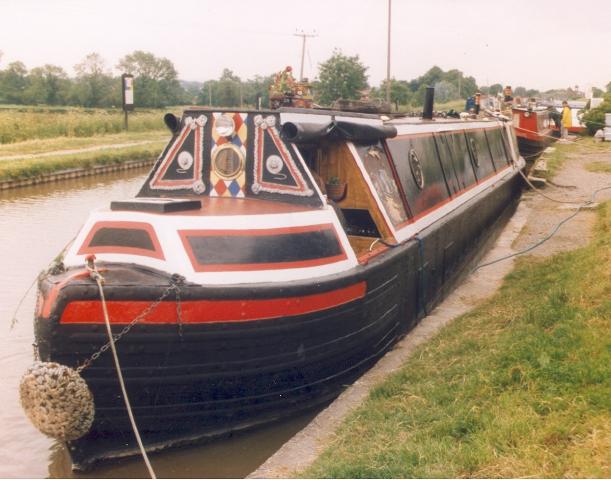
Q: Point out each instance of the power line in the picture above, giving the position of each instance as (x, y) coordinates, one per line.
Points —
(304, 36)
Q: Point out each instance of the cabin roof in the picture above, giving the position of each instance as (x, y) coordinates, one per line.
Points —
(223, 206)
(391, 119)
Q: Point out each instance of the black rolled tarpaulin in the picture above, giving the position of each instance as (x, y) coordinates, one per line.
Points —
(305, 132)
(362, 132)
(351, 131)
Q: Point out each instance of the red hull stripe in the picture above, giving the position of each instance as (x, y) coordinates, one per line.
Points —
(211, 311)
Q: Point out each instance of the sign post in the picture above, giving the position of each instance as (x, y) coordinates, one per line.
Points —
(127, 82)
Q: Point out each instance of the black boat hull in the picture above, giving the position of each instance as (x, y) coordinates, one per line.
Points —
(194, 381)
(531, 150)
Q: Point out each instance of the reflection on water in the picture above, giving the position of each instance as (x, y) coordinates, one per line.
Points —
(35, 225)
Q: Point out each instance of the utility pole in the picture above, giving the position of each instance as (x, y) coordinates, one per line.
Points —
(388, 57)
(303, 35)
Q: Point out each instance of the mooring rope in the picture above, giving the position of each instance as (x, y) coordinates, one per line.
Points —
(99, 280)
(565, 140)
(538, 191)
(548, 236)
(14, 319)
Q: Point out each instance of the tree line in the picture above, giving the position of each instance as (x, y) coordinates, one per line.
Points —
(93, 85)
(157, 84)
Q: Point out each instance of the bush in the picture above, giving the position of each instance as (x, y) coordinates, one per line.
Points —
(595, 118)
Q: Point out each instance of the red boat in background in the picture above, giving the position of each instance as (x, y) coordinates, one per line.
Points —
(533, 129)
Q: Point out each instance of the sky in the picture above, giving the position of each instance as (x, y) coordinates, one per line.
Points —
(540, 44)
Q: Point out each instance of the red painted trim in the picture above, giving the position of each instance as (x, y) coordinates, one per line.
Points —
(533, 135)
(46, 306)
(157, 253)
(211, 311)
(184, 234)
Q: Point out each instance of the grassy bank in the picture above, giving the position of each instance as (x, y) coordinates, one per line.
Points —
(27, 123)
(33, 167)
(520, 386)
(604, 167)
(562, 151)
(47, 146)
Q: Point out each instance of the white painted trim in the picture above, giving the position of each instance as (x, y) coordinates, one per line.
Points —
(286, 117)
(177, 260)
(371, 187)
(322, 196)
(415, 128)
(412, 229)
(362, 121)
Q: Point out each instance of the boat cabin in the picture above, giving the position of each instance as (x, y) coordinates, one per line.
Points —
(304, 193)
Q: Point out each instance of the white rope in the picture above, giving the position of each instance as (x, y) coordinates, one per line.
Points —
(98, 279)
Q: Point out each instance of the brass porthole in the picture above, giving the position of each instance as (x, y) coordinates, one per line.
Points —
(228, 161)
(416, 168)
(474, 151)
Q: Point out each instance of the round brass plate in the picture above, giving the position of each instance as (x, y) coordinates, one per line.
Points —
(228, 161)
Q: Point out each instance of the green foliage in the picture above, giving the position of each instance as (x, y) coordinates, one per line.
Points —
(48, 84)
(449, 86)
(155, 79)
(13, 83)
(94, 86)
(341, 76)
(400, 93)
(156, 83)
(597, 92)
(495, 89)
(230, 91)
(26, 123)
(519, 387)
(519, 92)
(594, 119)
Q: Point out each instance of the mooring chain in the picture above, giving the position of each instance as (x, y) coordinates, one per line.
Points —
(175, 281)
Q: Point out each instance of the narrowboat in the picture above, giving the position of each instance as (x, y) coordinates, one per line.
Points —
(533, 129)
(577, 107)
(270, 257)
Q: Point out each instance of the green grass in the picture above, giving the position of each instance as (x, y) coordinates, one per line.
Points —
(27, 123)
(457, 105)
(34, 147)
(563, 151)
(520, 386)
(603, 167)
(28, 168)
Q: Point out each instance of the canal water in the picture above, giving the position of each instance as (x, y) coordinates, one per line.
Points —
(35, 225)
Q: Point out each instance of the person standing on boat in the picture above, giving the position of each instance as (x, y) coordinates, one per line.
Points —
(566, 120)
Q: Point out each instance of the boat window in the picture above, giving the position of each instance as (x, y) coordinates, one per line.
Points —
(434, 189)
(495, 141)
(235, 250)
(132, 238)
(122, 237)
(479, 147)
(474, 153)
(461, 159)
(380, 172)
